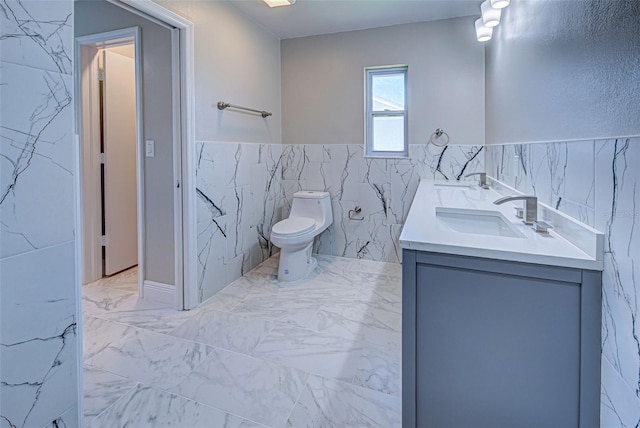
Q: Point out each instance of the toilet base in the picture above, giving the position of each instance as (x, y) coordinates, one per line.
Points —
(296, 265)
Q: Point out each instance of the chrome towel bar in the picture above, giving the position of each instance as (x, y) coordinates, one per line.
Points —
(222, 105)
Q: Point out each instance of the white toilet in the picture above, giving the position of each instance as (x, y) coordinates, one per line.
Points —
(310, 215)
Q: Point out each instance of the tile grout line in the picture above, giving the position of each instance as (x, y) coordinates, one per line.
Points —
(166, 391)
(295, 403)
(135, 385)
(275, 324)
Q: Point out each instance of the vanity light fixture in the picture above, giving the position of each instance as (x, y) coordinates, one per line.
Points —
(500, 4)
(276, 3)
(483, 33)
(490, 15)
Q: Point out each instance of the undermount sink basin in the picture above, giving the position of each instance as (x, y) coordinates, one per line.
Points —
(477, 222)
(455, 185)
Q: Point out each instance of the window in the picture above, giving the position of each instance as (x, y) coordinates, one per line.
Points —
(386, 112)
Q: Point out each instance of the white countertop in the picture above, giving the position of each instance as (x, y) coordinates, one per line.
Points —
(423, 231)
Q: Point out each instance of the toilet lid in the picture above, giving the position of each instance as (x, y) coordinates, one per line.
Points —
(293, 226)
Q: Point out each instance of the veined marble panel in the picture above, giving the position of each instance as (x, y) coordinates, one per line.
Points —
(233, 332)
(618, 208)
(38, 335)
(101, 390)
(380, 369)
(620, 404)
(68, 419)
(239, 198)
(324, 354)
(148, 357)
(38, 348)
(37, 34)
(331, 403)
(99, 334)
(144, 406)
(36, 159)
(256, 390)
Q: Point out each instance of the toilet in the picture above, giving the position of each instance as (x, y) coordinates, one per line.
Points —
(310, 216)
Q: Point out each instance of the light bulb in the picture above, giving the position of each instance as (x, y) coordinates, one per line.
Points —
(277, 3)
(500, 4)
(490, 16)
(483, 33)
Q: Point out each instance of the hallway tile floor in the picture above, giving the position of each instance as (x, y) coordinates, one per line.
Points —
(324, 352)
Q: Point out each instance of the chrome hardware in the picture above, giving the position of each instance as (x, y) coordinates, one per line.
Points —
(222, 105)
(483, 179)
(437, 134)
(541, 226)
(519, 212)
(530, 206)
(356, 210)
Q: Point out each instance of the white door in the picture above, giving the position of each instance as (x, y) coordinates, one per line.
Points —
(120, 195)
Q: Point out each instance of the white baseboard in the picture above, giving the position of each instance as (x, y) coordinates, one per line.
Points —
(159, 292)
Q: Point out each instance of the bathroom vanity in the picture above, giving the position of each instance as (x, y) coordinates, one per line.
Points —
(501, 324)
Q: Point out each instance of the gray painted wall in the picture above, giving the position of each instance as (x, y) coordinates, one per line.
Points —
(235, 61)
(93, 17)
(564, 70)
(323, 87)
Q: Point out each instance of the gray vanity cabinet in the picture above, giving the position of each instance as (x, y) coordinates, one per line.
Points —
(492, 343)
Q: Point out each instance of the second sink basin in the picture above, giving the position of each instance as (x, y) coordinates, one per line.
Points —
(478, 222)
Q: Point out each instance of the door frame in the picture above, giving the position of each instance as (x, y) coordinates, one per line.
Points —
(185, 227)
(87, 109)
(185, 222)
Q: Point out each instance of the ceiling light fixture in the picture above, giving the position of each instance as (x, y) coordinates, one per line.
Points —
(500, 4)
(277, 3)
(483, 33)
(490, 15)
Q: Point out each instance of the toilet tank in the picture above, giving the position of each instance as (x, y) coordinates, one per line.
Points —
(313, 204)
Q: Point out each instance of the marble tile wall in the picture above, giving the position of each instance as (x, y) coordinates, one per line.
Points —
(598, 183)
(38, 325)
(383, 188)
(243, 189)
(239, 197)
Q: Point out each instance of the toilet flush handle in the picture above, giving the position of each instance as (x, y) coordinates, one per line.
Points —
(356, 210)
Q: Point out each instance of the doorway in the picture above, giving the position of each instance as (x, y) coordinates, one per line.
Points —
(117, 128)
(118, 173)
(112, 165)
(180, 283)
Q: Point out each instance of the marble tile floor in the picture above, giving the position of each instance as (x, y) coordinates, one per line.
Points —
(324, 352)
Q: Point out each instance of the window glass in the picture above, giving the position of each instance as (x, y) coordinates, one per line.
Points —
(388, 92)
(388, 133)
(386, 112)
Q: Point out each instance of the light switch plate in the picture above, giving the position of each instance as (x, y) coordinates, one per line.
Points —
(150, 149)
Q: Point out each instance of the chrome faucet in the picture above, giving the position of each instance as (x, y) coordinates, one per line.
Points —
(530, 206)
(483, 178)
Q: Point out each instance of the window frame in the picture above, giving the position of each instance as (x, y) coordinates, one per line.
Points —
(370, 114)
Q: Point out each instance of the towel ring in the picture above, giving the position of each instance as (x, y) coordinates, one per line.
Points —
(436, 135)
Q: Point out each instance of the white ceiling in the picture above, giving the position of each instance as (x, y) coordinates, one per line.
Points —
(313, 17)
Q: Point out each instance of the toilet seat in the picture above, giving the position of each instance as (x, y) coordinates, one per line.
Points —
(293, 226)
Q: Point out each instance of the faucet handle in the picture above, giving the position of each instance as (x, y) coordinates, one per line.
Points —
(541, 226)
(483, 178)
(519, 212)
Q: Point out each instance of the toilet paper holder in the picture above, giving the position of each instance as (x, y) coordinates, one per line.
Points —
(356, 210)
